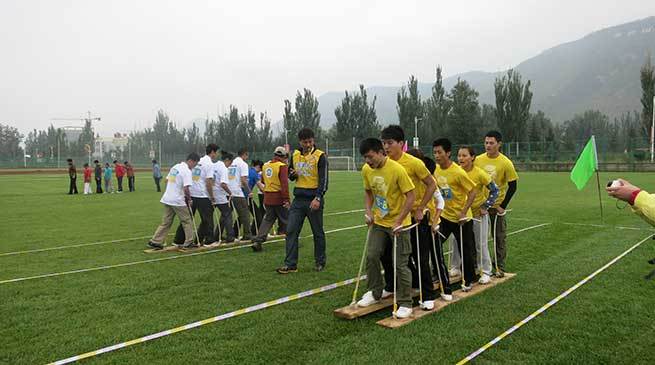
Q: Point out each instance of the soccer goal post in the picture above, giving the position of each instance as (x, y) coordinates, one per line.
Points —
(343, 163)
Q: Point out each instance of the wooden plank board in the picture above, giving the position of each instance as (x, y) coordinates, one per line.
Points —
(353, 311)
(417, 312)
(168, 248)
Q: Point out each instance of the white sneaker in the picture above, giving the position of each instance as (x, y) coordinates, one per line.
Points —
(454, 272)
(367, 299)
(466, 288)
(447, 297)
(484, 279)
(403, 312)
(428, 305)
(386, 294)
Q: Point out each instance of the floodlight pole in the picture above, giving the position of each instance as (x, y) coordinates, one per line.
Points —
(416, 119)
(354, 154)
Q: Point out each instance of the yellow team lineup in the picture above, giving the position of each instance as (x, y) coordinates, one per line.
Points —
(413, 204)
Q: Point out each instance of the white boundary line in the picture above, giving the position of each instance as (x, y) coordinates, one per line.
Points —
(124, 239)
(157, 259)
(221, 317)
(545, 307)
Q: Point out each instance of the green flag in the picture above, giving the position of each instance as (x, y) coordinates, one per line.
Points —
(586, 165)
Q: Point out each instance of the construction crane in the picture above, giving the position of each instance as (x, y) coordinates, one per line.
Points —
(88, 119)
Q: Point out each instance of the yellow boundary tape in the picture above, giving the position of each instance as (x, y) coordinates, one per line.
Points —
(545, 307)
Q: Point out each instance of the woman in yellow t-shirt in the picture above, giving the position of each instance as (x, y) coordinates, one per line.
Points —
(486, 194)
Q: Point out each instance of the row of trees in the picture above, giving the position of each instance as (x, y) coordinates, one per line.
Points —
(455, 113)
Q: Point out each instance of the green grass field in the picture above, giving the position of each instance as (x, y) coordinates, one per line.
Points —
(609, 320)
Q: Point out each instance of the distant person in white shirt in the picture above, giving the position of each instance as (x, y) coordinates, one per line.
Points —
(238, 184)
(202, 194)
(177, 201)
(224, 232)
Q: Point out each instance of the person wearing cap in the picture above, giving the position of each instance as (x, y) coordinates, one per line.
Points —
(275, 177)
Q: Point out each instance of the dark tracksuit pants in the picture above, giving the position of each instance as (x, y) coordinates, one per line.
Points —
(447, 228)
(206, 227)
(225, 223)
(498, 223)
(130, 182)
(157, 180)
(72, 189)
(98, 185)
(297, 213)
(120, 183)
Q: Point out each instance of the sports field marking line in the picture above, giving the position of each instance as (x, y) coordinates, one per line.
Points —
(125, 239)
(589, 224)
(189, 255)
(158, 259)
(546, 306)
(236, 313)
(232, 314)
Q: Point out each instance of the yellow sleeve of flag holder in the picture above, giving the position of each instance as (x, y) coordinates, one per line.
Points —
(644, 207)
(586, 165)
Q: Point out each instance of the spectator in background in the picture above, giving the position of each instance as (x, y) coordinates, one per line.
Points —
(87, 179)
(120, 172)
(98, 176)
(156, 174)
(130, 175)
(72, 175)
(108, 171)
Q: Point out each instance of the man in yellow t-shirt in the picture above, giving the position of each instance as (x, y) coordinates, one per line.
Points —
(458, 191)
(389, 197)
(393, 140)
(504, 174)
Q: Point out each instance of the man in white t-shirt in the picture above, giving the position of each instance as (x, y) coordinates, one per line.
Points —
(238, 185)
(202, 194)
(176, 200)
(221, 193)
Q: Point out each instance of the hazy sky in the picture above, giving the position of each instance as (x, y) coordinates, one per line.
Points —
(124, 60)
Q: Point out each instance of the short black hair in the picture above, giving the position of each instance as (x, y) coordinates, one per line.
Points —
(86, 164)
(193, 156)
(96, 161)
(394, 132)
(115, 161)
(69, 160)
(495, 134)
(429, 164)
(444, 143)
(154, 161)
(212, 147)
(242, 151)
(126, 162)
(370, 144)
(257, 163)
(305, 133)
(226, 156)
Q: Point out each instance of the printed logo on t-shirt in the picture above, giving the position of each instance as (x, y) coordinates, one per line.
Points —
(172, 176)
(195, 175)
(491, 170)
(269, 172)
(381, 205)
(232, 172)
(446, 191)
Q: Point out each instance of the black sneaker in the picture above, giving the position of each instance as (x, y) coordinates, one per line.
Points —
(319, 267)
(652, 261)
(155, 246)
(257, 247)
(500, 273)
(190, 245)
(286, 270)
(226, 241)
